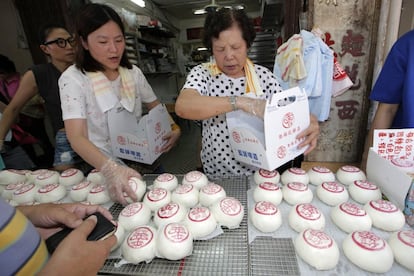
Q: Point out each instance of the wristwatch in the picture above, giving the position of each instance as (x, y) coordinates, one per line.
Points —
(233, 101)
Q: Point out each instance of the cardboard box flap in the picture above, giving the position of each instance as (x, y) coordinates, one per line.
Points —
(291, 122)
(271, 142)
(140, 141)
(393, 182)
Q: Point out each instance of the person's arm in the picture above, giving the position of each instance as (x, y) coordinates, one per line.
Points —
(75, 255)
(116, 175)
(50, 218)
(2, 107)
(383, 118)
(192, 105)
(27, 89)
(77, 133)
(310, 134)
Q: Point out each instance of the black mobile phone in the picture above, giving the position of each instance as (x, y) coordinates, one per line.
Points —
(103, 229)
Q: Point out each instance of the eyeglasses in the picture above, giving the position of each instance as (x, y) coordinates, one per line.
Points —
(61, 42)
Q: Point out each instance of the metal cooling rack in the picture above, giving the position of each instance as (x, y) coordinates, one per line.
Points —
(227, 254)
(273, 256)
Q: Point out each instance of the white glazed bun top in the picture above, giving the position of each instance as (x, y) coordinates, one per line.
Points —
(266, 176)
(167, 181)
(318, 175)
(196, 178)
(348, 174)
(295, 175)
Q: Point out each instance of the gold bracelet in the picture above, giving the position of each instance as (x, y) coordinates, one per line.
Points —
(175, 127)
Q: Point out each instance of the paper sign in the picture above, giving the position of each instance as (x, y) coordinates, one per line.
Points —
(394, 143)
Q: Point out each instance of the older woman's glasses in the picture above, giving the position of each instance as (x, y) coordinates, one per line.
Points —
(61, 42)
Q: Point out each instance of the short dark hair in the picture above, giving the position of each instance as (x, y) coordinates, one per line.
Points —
(90, 18)
(223, 19)
(46, 29)
(6, 65)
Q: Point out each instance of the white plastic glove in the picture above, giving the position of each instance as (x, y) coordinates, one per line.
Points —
(255, 107)
(116, 181)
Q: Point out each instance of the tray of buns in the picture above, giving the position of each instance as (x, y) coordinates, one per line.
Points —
(344, 265)
(226, 254)
(247, 251)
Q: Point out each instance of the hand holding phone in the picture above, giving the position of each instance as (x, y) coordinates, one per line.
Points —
(103, 229)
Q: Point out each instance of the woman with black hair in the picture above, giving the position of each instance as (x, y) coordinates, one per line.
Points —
(220, 86)
(42, 79)
(100, 86)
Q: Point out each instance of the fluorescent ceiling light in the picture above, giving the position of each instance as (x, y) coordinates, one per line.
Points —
(200, 11)
(202, 49)
(140, 3)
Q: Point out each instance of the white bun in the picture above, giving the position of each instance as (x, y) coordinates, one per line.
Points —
(31, 175)
(98, 194)
(317, 249)
(318, 175)
(363, 191)
(185, 194)
(368, 251)
(157, 198)
(350, 217)
(385, 215)
(79, 192)
(47, 177)
(265, 216)
(196, 178)
(171, 212)
(174, 241)
(266, 176)
(268, 191)
(402, 245)
(120, 236)
(10, 176)
(134, 215)
(140, 245)
(200, 222)
(50, 193)
(167, 181)
(8, 190)
(296, 192)
(295, 175)
(95, 176)
(71, 177)
(348, 174)
(25, 194)
(138, 186)
(306, 215)
(210, 194)
(332, 193)
(228, 212)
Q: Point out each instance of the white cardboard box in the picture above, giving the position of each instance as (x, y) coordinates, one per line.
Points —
(143, 142)
(271, 142)
(393, 182)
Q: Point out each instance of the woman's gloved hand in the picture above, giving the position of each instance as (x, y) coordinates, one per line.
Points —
(255, 107)
(116, 181)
